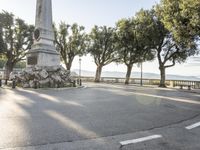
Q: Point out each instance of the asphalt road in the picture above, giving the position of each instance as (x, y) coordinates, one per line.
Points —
(98, 117)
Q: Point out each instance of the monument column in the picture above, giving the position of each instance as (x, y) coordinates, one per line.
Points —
(43, 61)
(43, 52)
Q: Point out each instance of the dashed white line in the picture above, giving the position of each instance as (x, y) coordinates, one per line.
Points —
(123, 143)
(193, 126)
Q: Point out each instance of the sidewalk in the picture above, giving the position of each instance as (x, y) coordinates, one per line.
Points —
(190, 91)
(159, 88)
(175, 88)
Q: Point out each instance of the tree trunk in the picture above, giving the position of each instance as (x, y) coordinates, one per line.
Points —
(98, 73)
(128, 73)
(8, 69)
(68, 65)
(162, 76)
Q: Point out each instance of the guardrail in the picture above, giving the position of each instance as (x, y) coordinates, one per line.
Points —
(2, 71)
(171, 83)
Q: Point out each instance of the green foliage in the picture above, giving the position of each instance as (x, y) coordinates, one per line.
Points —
(15, 37)
(134, 39)
(71, 40)
(102, 45)
(182, 18)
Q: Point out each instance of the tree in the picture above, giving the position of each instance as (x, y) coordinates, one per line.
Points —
(134, 42)
(15, 40)
(169, 50)
(182, 18)
(71, 40)
(2, 62)
(102, 47)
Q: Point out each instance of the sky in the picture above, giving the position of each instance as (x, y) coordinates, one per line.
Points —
(97, 12)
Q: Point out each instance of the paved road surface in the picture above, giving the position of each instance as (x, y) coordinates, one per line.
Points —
(99, 117)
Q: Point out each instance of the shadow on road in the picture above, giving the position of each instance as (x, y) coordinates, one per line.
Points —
(39, 117)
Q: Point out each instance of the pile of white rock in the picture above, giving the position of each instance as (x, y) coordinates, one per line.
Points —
(42, 77)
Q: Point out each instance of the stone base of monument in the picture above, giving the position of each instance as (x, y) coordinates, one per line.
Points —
(43, 77)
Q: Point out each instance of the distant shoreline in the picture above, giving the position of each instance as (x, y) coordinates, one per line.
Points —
(137, 75)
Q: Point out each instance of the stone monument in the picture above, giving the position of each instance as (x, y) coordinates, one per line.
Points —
(43, 52)
(43, 61)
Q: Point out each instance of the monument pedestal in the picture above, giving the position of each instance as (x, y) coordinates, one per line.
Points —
(42, 57)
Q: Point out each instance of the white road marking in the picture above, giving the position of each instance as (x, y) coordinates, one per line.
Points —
(123, 143)
(169, 98)
(193, 126)
(157, 96)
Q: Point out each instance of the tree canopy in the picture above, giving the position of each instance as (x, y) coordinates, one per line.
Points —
(182, 18)
(71, 40)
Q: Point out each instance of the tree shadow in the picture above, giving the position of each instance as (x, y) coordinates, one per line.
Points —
(38, 117)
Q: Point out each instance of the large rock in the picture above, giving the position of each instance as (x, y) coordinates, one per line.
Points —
(26, 85)
(29, 71)
(32, 84)
(37, 76)
(56, 77)
(13, 75)
(43, 77)
(53, 68)
(44, 83)
(43, 74)
(37, 68)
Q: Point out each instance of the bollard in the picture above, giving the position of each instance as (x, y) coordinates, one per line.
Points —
(0, 82)
(6, 81)
(35, 84)
(74, 83)
(13, 84)
(77, 81)
(58, 85)
(49, 84)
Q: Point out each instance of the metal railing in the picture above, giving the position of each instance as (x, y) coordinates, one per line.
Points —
(171, 83)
